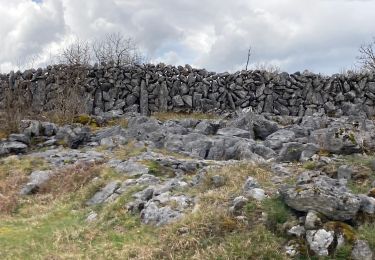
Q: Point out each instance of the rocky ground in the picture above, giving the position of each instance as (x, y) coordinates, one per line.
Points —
(189, 186)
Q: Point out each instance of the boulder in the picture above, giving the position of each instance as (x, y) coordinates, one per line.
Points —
(102, 195)
(321, 194)
(330, 139)
(36, 179)
(152, 214)
(276, 140)
(319, 241)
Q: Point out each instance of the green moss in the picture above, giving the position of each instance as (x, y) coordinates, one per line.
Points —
(310, 165)
(155, 168)
(341, 228)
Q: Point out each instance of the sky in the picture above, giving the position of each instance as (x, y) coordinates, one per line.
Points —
(322, 36)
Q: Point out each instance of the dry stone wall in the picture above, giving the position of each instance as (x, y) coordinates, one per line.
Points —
(152, 88)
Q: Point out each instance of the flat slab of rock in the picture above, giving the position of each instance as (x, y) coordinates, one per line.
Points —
(131, 168)
(232, 131)
(324, 195)
(102, 195)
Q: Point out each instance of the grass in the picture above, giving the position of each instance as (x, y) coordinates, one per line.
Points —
(158, 170)
(129, 150)
(367, 232)
(51, 224)
(310, 165)
(165, 116)
(14, 173)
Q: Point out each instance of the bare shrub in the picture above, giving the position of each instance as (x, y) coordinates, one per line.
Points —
(118, 49)
(76, 53)
(70, 179)
(366, 58)
(16, 107)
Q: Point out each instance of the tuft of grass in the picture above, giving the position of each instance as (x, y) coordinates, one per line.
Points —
(277, 213)
(165, 116)
(155, 168)
(14, 173)
(367, 232)
(129, 150)
(70, 179)
(310, 165)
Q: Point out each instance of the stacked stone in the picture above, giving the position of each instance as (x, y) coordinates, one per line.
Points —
(155, 88)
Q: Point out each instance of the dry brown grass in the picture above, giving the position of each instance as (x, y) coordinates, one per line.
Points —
(210, 231)
(165, 116)
(71, 179)
(13, 174)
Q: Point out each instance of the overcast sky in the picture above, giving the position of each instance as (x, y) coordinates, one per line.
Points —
(319, 35)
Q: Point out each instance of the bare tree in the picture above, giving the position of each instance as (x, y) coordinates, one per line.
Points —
(77, 53)
(367, 56)
(118, 49)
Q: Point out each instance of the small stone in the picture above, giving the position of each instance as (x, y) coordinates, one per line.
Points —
(256, 193)
(344, 172)
(91, 217)
(250, 183)
(361, 251)
(218, 181)
(319, 241)
(298, 231)
(312, 220)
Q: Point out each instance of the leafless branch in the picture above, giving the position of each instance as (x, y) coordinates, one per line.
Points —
(367, 56)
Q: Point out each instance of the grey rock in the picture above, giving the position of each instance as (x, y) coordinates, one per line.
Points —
(308, 151)
(328, 140)
(231, 131)
(263, 127)
(143, 103)
(345, 172)
(324, 195)
(207, 127)
(178, 101)
(291, 152)
(36, 179)
(20, 138)
(30, 127)
(102, 195)
(12, 147)
(367, 204)
(238, 204)
(276, 140)
(312, 220)
(280, 169)
(250, 184)
(218, 181)
(319, 241)
(256, 193)
(298, 231)
(158, 216)
(92, 216)
(264, 151)
(131, 168)
(361, 251)
(73, 137)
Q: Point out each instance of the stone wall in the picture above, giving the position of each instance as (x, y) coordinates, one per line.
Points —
(152, 88)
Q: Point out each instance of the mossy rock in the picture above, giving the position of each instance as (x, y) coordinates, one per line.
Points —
(85, 119)
(341, 228)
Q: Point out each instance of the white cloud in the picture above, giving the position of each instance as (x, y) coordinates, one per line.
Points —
(320, 35)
